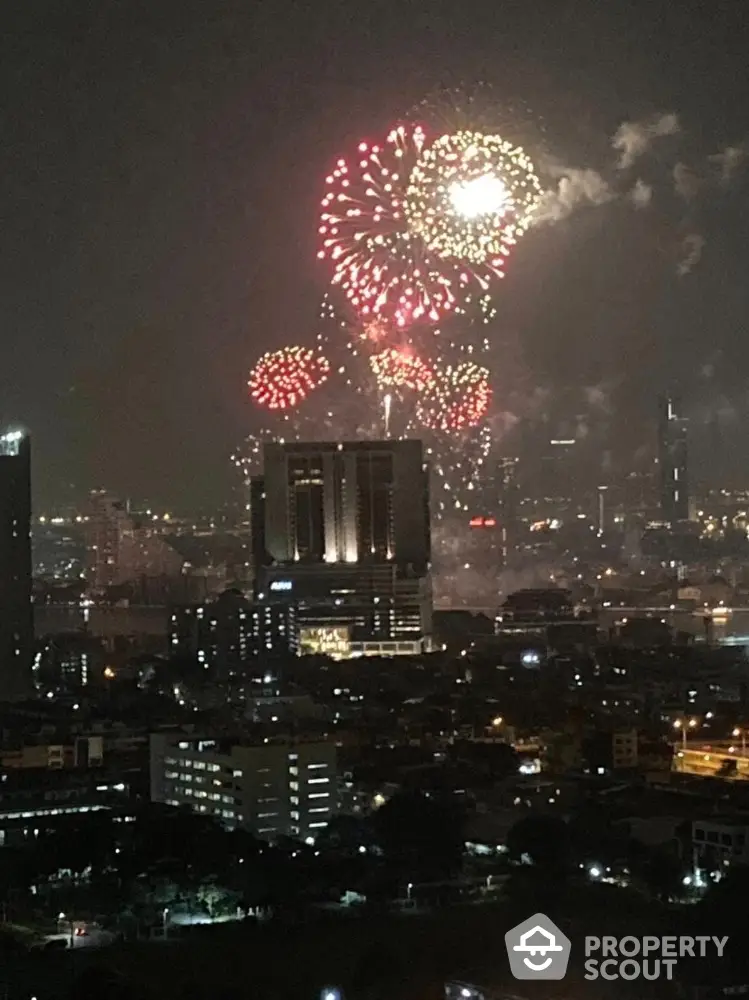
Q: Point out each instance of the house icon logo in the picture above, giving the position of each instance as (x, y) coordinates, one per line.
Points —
(537, 949)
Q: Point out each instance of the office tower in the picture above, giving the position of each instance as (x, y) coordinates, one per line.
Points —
(16, 613)
(258, 554)
(364, 501)
(226, 634)
(346, 530)
(270, 788)
(673, 460)
(558, 469)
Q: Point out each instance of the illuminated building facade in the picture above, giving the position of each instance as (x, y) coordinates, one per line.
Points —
(673, 457)
(353, 502)
(16, 613)
(272, 789)
(344, 528)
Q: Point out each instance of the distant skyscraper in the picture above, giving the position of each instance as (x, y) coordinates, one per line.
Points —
(508, 494)
(16, 613)
(118, 550)
(344, 533)
(673, 460)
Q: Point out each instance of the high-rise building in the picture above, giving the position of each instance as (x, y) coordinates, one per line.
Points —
(344, 533)
(673, 460)
(16, 612)
(353, 502)
(272, 788)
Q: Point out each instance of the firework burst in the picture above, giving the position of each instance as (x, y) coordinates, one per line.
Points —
(377, 263)
(458, 399)
(470, 198)
(400, 368)
(282, 379)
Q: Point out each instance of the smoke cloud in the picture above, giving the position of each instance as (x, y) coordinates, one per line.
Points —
(687, 182)
(641, 194)
(729, 161)
(576, 189)
(632, 139)
(691, 247)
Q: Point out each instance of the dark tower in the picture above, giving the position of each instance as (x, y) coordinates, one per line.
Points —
(16, 615)
(672, 461)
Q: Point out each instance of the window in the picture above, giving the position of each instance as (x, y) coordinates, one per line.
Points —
(314, 767)
(323, 810)
(318, 781)
(199, 765)
(319, 795)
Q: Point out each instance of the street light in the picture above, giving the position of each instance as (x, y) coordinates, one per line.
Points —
(409, 887)
(685, 725)
(742, 733)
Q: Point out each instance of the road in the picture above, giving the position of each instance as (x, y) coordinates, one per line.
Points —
(705, 760)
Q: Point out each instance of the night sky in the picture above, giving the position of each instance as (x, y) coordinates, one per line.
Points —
(162, 164)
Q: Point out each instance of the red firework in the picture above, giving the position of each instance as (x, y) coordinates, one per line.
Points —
(282, 379)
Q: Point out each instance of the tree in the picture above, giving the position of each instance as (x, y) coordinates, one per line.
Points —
(663, 874)
(425, 833)
(544, 840)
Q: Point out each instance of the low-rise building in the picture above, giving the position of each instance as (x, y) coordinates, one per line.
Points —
(720, 840)
(271, 788)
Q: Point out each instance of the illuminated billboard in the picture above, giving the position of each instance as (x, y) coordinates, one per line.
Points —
(333, 641)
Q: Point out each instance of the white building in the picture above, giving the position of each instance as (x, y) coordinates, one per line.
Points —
(272, 789)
